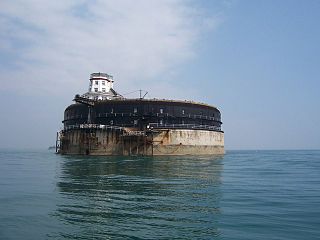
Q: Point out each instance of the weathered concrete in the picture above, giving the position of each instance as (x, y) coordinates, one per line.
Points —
(183, 142)
(160, 142)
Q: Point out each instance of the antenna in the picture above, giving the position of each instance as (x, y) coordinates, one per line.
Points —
(145, 94)
(140, 93)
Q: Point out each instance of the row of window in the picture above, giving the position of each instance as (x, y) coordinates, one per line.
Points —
(135, 110)
(71, 116)
(97, 82)
(103, 90)
(135, 122)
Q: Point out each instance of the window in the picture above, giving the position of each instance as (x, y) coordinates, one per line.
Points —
(161, 122)
(135, 122)
(111, 122)
(103, 90)
(103, 82)
(161, 110)
(111, 110)
(182, 122)
(135, 110)
(96, 89)
(183, 111)
(96, 82)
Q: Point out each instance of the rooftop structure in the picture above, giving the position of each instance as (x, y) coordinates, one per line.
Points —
(101, 87)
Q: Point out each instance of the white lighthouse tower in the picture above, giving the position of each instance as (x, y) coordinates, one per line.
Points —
(101, 87)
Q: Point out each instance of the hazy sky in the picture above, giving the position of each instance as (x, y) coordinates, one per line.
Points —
(257, 61)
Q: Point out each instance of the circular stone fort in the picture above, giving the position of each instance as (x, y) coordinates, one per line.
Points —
(103, 122)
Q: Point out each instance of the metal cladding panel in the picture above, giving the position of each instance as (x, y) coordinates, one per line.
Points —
(133, 112)
(75, 113)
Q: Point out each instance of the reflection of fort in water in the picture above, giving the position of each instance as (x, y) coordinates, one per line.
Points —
(178, 193)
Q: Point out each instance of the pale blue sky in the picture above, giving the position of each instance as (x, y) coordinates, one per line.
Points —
(258, 61)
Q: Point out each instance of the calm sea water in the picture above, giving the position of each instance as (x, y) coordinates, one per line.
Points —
(242, 195)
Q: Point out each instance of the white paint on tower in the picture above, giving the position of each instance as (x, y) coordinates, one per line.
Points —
(101, 87)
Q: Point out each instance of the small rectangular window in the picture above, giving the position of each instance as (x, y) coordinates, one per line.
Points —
(103, 83)
(135, 110)
(96, 89)
(111, 122)
(182, 111)
(96, 82)
(161, 122)
(111, 110)
(103, 90)
(161, 110)
(135, 122)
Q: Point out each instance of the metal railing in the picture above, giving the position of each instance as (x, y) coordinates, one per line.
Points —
(116, 114)
(92, 126)
(92, 75)
(150, 126)
(184, 126)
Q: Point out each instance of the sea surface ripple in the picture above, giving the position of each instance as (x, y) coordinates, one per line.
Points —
(241, 195)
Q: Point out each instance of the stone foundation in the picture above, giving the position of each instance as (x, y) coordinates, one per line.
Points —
(157, 142)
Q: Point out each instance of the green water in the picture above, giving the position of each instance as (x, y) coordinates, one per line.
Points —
(242, 195)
